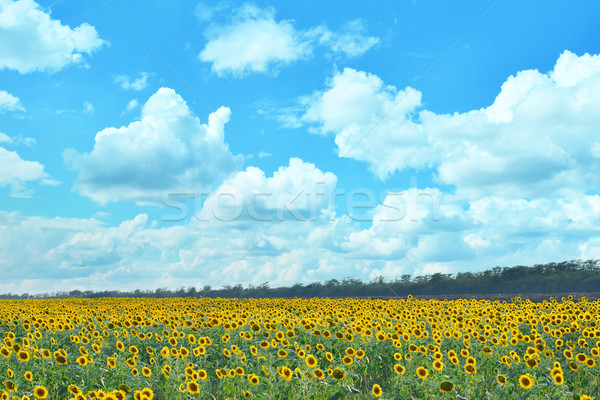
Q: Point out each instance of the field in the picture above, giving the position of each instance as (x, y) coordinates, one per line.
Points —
(299, 349)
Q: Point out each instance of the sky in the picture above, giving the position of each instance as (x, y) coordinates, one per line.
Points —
(149, 145)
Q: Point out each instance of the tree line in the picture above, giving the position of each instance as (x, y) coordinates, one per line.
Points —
(575, 276)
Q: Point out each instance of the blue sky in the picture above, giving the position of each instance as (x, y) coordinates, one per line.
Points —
(214, 143)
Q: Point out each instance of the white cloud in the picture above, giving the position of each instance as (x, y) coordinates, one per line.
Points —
(31, 41)
(167, 150)
(137, 254)
(132, 104)
(253, 41)
(354, 104)
(139, 83)
(57, 253)
(88, 108)
(8, 102)
(5, 138)
(299, 191)
(205, 13)
(351, 40)
(539, 136)
(27, 141)
(15, 172)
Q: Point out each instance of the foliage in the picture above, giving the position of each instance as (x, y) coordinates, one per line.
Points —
(187, 348)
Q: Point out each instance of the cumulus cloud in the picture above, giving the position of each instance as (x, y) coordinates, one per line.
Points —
(30, 40)
(413, 232)
(539, 135)
(138, 254)
(355, 103)
(253, 41)
(167, 150)
(299, 191)
(8, 102)
(16, 172)
(5, 138)
(129, 83)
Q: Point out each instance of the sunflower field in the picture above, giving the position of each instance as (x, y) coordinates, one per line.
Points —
(200, 348)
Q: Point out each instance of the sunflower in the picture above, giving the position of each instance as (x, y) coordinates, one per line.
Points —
(318, 373)
(82, 361)
(376, 390)
(526, 381)
(60, 359)
(558, 378)
(202, 374)
(255, 380)
(40, 392)
(590, 362)
(399, 369)
(146, 371)
(573, 366)
(532, 362)
(183, 352)
(311, 361)
(470, 369)
(165, 352)
(438, 365)
(501, 379)
(23, 356)
(10, 386)
(193, 387)
(582, 358)
(281, 353)
(568, 354)
(422, 372)
(347, 360)
(28, 376)
(446, 386)
(286, 373)
(338, 374)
